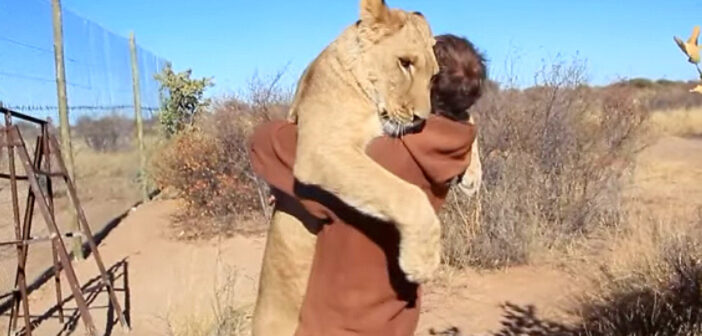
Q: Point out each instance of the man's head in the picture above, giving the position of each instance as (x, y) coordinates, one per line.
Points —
(459, 83)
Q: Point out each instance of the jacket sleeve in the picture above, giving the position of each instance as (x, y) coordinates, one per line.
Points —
(272, 153)
(268, 159)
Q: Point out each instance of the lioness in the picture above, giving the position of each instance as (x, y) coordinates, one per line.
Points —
(290, 245)
(374, 78)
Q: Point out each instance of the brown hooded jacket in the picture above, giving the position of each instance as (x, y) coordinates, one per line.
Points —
(356, 286)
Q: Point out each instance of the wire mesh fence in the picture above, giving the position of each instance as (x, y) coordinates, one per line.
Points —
(98, 67)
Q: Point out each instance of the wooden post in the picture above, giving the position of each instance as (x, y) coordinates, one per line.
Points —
(65, 128)
(46, 155)
(138, 116)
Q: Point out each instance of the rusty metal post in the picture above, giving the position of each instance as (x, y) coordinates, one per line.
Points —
(21, 248)
(26, 229)
(54, 148)
(47, 146)
(27, 221)
(26, 232)
(53, 228)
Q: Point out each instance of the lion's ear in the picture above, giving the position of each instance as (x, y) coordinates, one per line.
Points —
(374, 11)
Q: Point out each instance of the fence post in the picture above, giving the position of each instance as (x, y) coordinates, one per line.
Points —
(64, 125)
(138, 116)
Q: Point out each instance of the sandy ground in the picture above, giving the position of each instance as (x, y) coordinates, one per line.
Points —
(164, 277)
(170, 281)
(164, 282)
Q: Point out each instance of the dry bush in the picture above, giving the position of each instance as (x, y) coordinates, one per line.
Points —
(208, 165)
(105, 134)
(194, 164)
(655, 289)
(673, 97)
(662, 94)
(663, 300)
(152, 126)
(554, 160)
(678, 122)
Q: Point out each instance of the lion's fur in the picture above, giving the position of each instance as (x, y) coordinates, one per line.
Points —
(359, 86)
(347, 97)
(286, 266)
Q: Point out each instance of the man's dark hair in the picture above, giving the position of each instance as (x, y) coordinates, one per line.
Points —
(459, 83)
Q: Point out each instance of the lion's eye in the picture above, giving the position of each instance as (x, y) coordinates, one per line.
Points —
(405, 62)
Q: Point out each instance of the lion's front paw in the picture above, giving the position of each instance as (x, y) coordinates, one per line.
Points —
(420, 252)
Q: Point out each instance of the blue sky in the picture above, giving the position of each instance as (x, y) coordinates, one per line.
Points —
(233, 39)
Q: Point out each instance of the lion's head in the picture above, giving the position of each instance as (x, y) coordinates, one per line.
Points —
(394, 63)
(388, 54)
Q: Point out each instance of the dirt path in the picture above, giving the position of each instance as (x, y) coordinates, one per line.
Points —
(166, 280)
(171, 282)
(97, 213)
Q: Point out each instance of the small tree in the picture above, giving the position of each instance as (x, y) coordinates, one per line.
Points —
(182, 99)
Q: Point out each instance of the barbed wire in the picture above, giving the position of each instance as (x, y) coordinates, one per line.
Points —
(45, 108)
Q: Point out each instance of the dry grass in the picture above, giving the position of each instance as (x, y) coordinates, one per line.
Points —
(648, 283)
(555, 162)
(678, 122)
(100, 176)
(224, 317)
(557, 159)
(222, 320)
(106, 175)
(644, 276)
(663, 94)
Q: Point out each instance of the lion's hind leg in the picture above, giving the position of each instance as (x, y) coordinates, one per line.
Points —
(286, 266)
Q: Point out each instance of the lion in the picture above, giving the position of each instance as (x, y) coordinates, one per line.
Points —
(287, 261)
(374, 79)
